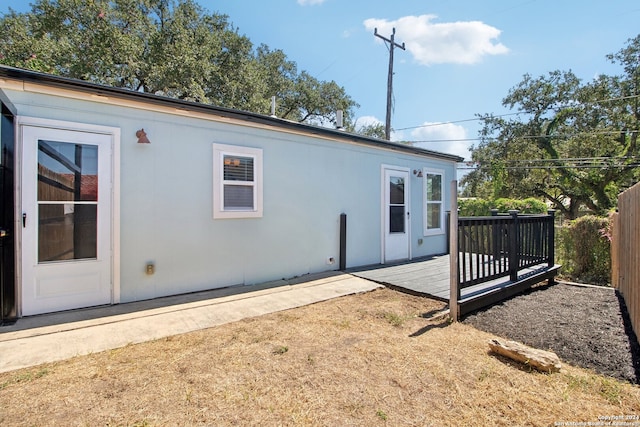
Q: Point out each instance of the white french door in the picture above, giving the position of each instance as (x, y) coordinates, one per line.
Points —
(66, 218)
(395, 214)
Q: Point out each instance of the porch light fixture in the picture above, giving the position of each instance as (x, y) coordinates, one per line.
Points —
(142, 137)
(417, 173)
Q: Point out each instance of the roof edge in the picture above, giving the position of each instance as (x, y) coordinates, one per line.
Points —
(94, 88)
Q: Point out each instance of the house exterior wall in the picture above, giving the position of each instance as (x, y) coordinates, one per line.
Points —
(166, 199)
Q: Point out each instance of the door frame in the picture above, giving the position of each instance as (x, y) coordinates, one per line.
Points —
(383, 208)
(8, 290)
(115, 136)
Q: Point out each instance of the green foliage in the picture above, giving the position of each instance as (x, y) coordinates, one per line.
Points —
(25, 377)
(482, 207)
(530, 205)
(281, 349)
(475, 207)
(374, 130)
(173, 48)
(584, 250)
(565, 145)
(394, 319)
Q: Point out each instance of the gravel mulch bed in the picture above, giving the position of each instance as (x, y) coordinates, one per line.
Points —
(585, 326)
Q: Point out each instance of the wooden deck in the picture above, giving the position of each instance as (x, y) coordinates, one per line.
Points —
(425, 276)
(430, 277)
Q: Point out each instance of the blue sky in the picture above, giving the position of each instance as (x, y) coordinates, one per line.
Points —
(462, 56)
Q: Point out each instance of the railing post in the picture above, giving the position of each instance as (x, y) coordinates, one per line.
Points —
(448, 216)
(514, 238)
(552, 237)
(454, 278)
(495, 237)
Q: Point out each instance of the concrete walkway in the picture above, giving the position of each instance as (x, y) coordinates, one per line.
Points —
(49, 338)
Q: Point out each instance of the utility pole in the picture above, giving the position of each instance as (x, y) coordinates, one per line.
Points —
(392, 45)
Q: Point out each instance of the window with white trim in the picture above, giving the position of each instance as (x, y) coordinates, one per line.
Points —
(433, 199)
(237, 181)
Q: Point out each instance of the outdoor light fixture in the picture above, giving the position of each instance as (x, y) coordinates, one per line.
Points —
(142, 137)
(417, 173)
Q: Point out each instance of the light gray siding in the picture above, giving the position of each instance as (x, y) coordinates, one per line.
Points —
(166, 199)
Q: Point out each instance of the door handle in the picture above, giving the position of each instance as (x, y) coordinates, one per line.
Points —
(24, 220)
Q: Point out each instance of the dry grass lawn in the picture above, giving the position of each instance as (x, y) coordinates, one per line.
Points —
(369, 359)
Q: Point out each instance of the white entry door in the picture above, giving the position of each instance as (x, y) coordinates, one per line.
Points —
(396, 214)
(66, 218)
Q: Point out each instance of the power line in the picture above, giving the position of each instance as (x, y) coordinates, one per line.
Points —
(571, 159)
(444, 140)
(514, 168)
(573, 135)
(562, 163)
(621, 98)
(454, 121)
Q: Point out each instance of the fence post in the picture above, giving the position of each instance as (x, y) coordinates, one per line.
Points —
(615, 254)
(552, 237)
(514, 238)
(343, 241)
(454, 289)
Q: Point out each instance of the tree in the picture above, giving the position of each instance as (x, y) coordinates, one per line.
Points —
(572, 144)
(167, 47)
(374, 130)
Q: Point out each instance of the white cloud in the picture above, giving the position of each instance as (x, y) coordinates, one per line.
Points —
(446, 138)
(440, 43)
(367, 121)
(310, 2)
(442, 137)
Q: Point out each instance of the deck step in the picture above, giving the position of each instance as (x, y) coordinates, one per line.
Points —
(501, 290)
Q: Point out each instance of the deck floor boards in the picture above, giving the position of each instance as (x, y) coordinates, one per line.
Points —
(430, 277)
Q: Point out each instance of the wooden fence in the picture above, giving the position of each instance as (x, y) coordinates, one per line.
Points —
(625, 252)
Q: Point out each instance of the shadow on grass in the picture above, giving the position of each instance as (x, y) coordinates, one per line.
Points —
(435, 312)
(523, 367)
(427, 328)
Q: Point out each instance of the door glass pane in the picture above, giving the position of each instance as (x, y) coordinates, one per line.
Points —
(67, 171)
(396, 219)
(67, 231)
(396, 190)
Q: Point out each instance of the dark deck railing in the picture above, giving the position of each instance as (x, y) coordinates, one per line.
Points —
(501, 245)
